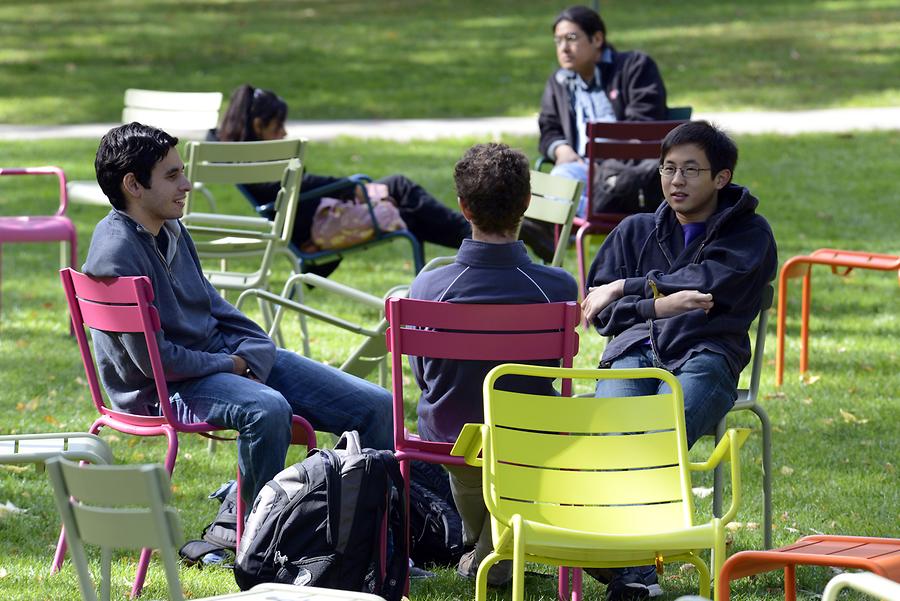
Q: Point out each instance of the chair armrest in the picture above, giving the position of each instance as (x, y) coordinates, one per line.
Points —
(342, 184)
(334, 287)
(731, 443)
(469, 444)
(219, 220)
(541, 161)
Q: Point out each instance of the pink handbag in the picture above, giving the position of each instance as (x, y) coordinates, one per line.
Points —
(343, 223)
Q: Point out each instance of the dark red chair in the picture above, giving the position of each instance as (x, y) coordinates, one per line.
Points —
(622, 140)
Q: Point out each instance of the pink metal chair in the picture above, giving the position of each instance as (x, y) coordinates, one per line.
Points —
(41, 228)
(124, 305)
(501, 333)
(623, 140)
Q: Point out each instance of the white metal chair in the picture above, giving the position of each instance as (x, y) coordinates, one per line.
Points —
(175, 112)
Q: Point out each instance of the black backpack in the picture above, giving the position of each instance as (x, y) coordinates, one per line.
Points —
(221, 533)
(626, 186)
(318, 523)
(435, 525)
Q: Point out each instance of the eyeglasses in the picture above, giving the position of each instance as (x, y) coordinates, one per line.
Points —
(686, 172)
(569, 38)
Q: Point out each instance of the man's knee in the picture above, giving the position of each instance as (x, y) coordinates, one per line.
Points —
(268, 408)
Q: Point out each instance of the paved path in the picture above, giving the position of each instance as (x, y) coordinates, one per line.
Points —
(782, 122)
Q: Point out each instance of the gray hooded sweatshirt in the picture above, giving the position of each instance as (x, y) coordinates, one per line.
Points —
(200, 329)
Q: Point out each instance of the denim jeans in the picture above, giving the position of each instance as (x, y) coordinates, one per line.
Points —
(708, 385)
(329, 399)
(578, 171)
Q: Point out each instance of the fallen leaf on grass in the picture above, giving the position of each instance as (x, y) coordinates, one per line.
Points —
(16, 469)
(889, 468)
(701, 492)
(686, 568)
(776, 395)
(51, 420)
(809, 379)
(8, 508)
(807, 401)
(849, 418)
(786, 470)
(3, 573)
(791, 530)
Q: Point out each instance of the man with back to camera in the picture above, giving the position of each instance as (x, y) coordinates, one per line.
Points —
(494, 189)
(219, 365)
(679, 289)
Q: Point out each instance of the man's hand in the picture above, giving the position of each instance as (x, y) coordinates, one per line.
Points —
(566, 154)
(682, 302)
(599, 297)
(240, 365)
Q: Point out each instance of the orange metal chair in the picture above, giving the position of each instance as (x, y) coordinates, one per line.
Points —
(41, 228)
(842, 262)
(878, 555)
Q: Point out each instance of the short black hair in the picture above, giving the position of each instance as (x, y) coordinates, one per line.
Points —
(131, 148)
(720, 150)
(587, 20)
(495, 182)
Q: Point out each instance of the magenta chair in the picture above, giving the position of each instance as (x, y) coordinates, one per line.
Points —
(124, 305)
(41, 228)
(501, 333)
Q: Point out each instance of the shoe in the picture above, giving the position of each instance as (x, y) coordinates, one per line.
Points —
(538, 235)
(630, 584)
(499, 575)
(649, 577)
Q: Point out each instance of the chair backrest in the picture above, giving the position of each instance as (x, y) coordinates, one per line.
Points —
(610, 465)
(176, 111)
(624, 140)
(116, 506)
(117, 306)
(555, 200)
(679, 113)
(235, 163)
(443, 330)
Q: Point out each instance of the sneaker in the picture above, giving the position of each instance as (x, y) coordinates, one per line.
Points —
(649, 577)
(499, 575)
(630, 584)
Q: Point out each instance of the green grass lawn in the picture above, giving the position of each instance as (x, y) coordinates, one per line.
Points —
(836, 449)
(70, 62)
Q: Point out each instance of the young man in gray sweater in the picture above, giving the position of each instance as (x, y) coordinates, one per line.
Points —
(220, 366)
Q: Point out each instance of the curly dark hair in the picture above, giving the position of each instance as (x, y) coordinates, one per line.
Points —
(130, 148)
(494, 181)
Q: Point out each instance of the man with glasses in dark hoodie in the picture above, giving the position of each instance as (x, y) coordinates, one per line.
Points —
(679, 288)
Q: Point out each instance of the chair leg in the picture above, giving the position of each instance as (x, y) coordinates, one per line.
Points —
(562, 589)
(579, 258)
(766, 425)
(804, 322)
(790, 583)
(577, 575)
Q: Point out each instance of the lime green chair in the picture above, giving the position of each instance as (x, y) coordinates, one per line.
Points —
(591, 482)
(225, 237)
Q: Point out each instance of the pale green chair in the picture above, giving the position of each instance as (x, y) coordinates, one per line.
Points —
(38, 448)
(225, 237)
(863, 582)
(590, 482)
(127, 506)
(554, 200)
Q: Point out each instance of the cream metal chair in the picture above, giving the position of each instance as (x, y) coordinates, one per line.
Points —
(175, 112)
(128, 506)
(863, 582)
(554, 200)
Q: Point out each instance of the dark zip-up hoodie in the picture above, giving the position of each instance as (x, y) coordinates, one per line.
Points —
(734, 261)
(200, 329)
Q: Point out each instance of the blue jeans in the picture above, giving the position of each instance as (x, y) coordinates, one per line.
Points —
(331, 400)
(577, 171)
(709, 387)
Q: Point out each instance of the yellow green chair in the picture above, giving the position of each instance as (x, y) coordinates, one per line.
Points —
(591, 482)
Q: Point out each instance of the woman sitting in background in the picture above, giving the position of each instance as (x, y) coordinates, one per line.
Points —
(255, 114)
